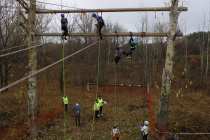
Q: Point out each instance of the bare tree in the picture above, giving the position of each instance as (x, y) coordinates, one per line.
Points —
(9, 34)
(167, 75)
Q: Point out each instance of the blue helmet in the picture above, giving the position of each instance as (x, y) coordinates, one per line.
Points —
(94, 15)
(62, 15)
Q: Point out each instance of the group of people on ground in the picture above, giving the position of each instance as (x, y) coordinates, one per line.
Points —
(144, 131)
(98, 112)
(76, 110)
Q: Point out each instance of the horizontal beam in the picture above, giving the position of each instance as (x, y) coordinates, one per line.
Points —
(150, 9)
(122, 34)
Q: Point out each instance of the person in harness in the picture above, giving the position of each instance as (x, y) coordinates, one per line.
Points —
(100, 23)
(119, 53)
(132, 44)
(64, 26)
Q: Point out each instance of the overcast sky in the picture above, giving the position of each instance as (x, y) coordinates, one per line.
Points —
(191, 21)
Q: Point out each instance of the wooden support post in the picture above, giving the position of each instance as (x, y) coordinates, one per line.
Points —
(32, 65)
(167, 75)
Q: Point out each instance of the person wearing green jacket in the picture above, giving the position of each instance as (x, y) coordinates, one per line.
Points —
(96, 109)
(65, 102)
(101, 104)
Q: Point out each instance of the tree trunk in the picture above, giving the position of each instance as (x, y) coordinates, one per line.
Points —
(32, 64)
(167, 74)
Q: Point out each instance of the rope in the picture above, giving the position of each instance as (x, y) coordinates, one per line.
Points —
(115, 88)
(46, 68)
(97, 85)
(98, 68)
(192, 133)
(59, 5)
(63, 86)
(15, 47)
(184, 133)
(21, 50)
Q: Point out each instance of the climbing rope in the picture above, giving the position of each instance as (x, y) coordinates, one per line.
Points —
(21, 50)
(98, 68)
(115, 87)
(14, 47)
(63, 70)
(97, 85)
(45, 68)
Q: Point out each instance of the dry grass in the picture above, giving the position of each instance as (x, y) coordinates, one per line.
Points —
(189, 112)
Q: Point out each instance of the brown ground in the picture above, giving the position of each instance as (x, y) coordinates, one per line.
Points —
(189, 112)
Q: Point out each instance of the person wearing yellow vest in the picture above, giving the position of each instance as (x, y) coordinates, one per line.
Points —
(101, 104)
(96, 109)
(65, 102)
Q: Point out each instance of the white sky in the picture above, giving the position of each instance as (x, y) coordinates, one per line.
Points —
(191, 21)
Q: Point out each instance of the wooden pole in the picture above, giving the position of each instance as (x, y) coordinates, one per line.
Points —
(167, 75)
(122, 34)
(32, 65)
(149, 9)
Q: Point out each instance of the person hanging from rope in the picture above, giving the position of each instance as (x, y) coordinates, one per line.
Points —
(132, 44)
(65, 102)
(64, 26)
(145, 130)
(115, 133)
(96, 109)
(76, 110)
(100, 23)
(101, 104)
(118, 54)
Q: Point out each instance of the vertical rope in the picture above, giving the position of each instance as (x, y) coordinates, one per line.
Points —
(98, 68)
(97, 85)
(63, 87)
(115, 88)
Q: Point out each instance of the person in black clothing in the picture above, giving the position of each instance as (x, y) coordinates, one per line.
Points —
(100, 23)
(118, 54)
(132, 44)
(64, 26)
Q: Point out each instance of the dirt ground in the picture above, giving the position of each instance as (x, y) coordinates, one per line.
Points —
(127, 107)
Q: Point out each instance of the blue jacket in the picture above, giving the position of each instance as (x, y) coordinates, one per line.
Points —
(76, 109)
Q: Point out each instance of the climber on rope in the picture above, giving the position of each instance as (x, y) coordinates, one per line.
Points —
(64, 26)
(118, 54)
(100, 23)
(76, 110)
(145, 130)
(115, 133)
(132, 44)
(96, 108)
(65, 102)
